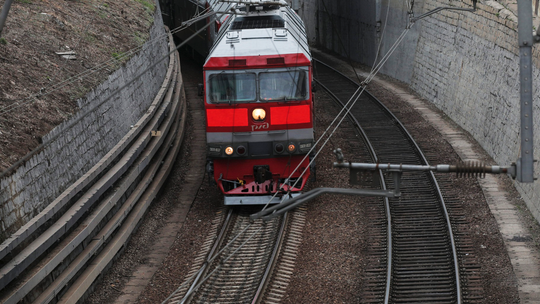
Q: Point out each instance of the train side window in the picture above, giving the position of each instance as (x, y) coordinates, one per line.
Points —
(232, 87)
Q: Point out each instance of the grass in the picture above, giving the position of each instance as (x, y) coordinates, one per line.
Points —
(140, 38)
(89, 37)
(3, 41)
(150, 6)
(74, 94)
(120, 57)
(117, 55)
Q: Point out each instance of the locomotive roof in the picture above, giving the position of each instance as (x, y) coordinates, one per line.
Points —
(278, 31)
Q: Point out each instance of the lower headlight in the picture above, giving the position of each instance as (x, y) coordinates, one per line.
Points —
(229, 150)
(291, 148)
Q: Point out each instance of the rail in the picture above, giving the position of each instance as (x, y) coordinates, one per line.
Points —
(419, 197)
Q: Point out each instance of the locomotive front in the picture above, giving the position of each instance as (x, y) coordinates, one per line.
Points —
(259, 106)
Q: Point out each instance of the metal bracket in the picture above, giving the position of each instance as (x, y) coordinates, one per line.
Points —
(414, 19)
(396, 175)
(525, 164)
(294, 202)
(467, 169)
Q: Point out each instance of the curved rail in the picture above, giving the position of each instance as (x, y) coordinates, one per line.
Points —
(211, 255)
(353, 87)
(375, 159)
(258, 298)
(92, 219)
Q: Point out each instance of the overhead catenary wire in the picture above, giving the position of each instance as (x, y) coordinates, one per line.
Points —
(364, 83)
(385, 58)
(347, 108)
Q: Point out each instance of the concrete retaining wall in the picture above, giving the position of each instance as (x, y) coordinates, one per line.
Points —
(46, 175)
(465, 63)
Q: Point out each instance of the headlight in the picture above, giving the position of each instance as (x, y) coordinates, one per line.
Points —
(291, 148)
(258, 114)
(229, 150)
(279, 148)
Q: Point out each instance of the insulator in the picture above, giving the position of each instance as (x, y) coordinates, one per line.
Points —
(471, 169)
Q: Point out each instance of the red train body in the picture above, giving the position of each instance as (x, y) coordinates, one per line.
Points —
(259, 108)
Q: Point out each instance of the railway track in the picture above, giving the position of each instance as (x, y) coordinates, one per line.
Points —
(59, 254)
(419, 264)
(420, 260)
(243, 261)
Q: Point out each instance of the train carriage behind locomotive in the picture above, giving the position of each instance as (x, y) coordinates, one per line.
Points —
(259, 110)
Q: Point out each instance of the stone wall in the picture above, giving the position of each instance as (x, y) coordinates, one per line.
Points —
(356, 24)
(466, 63)
(102, 121)
(367, 30)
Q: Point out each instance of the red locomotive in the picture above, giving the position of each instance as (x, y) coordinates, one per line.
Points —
(258, 99)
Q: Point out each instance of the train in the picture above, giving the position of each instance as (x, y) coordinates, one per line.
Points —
(258, 97)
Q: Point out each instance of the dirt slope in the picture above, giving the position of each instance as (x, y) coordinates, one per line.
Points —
(38, 86)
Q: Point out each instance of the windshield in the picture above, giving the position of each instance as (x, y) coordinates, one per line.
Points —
(258, 85)
(289, 85)
(232, 87)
